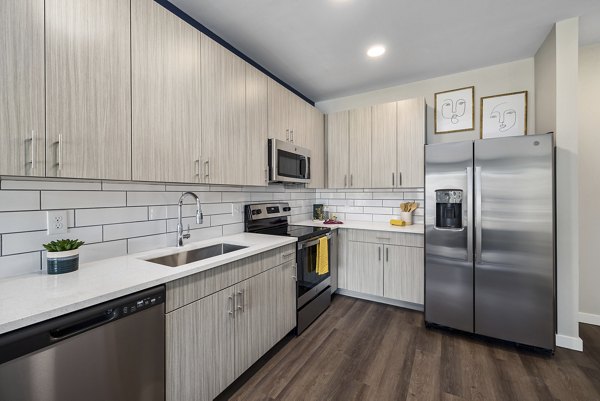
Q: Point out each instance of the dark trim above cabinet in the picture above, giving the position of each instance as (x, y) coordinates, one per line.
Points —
(187, 18)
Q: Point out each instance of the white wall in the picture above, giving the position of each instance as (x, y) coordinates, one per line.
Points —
(589, 189)
(494, 80)
(557, 69)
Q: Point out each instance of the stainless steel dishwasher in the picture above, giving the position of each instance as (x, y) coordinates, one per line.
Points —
(113, 351)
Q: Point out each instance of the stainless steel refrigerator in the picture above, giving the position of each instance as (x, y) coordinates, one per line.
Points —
(489, 238)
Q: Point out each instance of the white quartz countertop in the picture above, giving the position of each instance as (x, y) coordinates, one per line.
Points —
(33, 298)
(367, 225)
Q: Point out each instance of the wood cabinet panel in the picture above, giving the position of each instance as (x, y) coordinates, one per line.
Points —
(317, 147)
(386, 237)
(224, 142)
(22, 125)
(383, 152)
(166, 95)
(278, 111)
(411, 143)
(256, 127)
(365, 268)
(337, 150)
(359, 134)
(200, 347)
(286, 298)
(88, 89)
(403, 277)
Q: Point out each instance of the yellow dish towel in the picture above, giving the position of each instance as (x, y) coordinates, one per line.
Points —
(322, 257)
(396, 222)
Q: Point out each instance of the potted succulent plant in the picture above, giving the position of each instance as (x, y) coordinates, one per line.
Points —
(63, 255)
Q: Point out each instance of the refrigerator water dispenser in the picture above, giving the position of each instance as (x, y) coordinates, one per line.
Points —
(448, 208)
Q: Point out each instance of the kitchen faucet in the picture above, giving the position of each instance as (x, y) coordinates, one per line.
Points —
(199, 217)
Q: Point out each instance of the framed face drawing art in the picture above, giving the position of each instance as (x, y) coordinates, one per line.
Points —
(455, 110)
(504, 115)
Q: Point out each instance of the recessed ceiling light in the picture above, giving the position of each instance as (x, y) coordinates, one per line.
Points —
(375, 51)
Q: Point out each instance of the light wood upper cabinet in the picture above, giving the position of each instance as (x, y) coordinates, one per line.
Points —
(337, 150)
(383, 152)
(224, 145)
(359, 140)
(279, 105)
(166, 97)
(411, 143)
(317, 148)
(88, 89)
(256, 127)
(22, 131)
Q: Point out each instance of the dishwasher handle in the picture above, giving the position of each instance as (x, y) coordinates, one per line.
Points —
(90, 322)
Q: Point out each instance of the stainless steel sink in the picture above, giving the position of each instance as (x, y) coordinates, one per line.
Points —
(194, 255)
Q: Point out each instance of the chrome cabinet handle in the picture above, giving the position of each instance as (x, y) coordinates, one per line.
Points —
(295, 267)
(58, 163)
(286, 255)
(385, 238)
(33, 151)
(206, 169)
(399, 179)
(351, 180)
(292, 135)
(469, 210)
(287, 135)
(345, 180)
(378, 253)
(393, 184)
(266, 175)
(197, 168)
(387, 254)
(230, 307)
(241, 299)
(478, 236)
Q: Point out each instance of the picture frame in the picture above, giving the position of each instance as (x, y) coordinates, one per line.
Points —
(503, 115)
(454, 110)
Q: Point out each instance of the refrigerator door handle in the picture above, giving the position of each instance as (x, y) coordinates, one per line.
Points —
(477, 214)
(469, 214)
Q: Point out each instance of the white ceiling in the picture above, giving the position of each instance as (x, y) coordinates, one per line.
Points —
(318, 46)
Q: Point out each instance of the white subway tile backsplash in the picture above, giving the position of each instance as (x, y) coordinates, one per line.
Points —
(102, 250)
(231, 229)
(81, 199)
(388, 195)
(359, 195)
(14, 222)
(281, 196)
(152, 198)
(378, 210)
(414, 195)
(261, 196)
(359, 217)
(236, 197)
(142, 244)
(129, 230)
(19, 264)
(19, 200)
(368, 202)
(206, 233)
(191, 221)
(224, 188)
(131, 186)
(33, 240)
(392, 202)
(95, 217)
(221, 219)
(187, 187)
(51, 185)
(215, 208)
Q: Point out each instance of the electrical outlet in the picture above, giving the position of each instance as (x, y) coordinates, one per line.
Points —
(57, 222)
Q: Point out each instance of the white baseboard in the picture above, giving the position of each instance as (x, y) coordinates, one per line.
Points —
(589, 318)
(574, 343)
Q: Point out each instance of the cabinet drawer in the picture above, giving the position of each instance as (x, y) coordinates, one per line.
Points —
(192, 288)
(386, 237)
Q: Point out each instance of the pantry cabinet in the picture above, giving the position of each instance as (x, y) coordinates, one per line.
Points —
(22, 125)
(411, 143)
(88, 89)
(166, 95)
(384, 146)
(224, 141)
(359, 144)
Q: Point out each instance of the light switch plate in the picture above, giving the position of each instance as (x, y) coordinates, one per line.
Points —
(57, 222)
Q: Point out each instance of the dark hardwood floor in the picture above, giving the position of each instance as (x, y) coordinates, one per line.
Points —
(360, 350)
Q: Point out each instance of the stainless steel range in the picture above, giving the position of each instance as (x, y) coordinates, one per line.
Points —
(313, 291)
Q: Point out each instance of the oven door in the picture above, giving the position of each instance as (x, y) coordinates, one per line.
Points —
(310, 284)
(288, 162)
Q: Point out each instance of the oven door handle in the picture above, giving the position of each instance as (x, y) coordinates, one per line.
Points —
(302, 245)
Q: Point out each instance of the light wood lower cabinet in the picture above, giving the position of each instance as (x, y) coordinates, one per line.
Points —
(210, 342)
(380, 269)
(403, 273)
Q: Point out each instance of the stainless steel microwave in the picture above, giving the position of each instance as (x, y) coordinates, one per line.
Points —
(288, 162)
